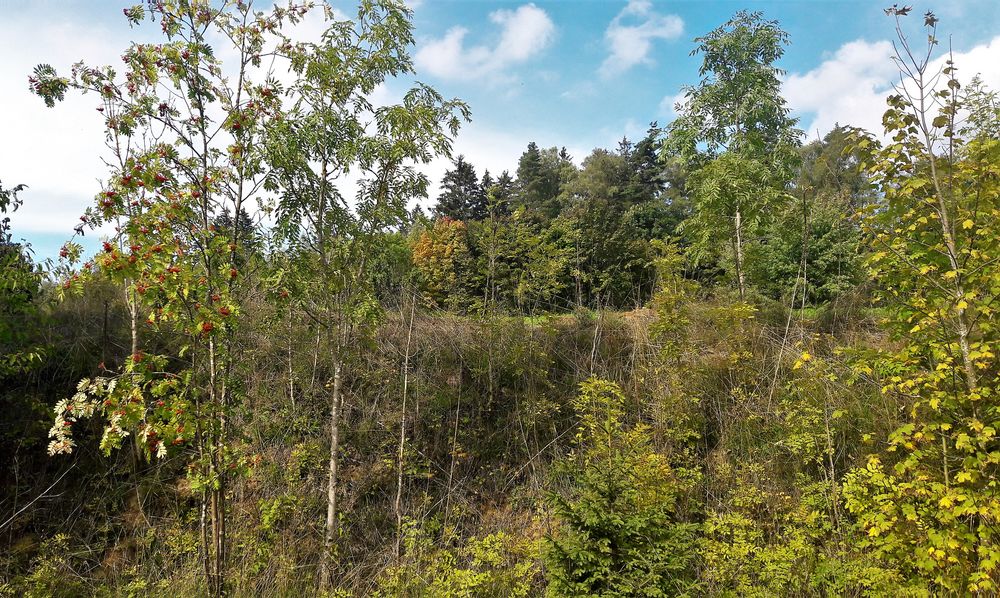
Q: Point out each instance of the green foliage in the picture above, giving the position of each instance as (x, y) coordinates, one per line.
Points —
(497, 564)
(670, 302)
(520, 265)
(463, 197)
(541, 175)
(814, 239)
(731, 185)
(929, 502)
(177, 269)
(610, 215)
(442, 258)
(717, 447)
(20, 283)
(735, 133)
(618, 531)
(745, 556)
(52, 574)
(737, 106)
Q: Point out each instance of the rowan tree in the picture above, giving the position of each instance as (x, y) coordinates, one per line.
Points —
(332, 130)
(184, 133)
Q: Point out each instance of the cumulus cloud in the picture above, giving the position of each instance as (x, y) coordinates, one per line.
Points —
(847, 88)
(631, 33)
(524, 33)
(850, 87)
(57, 151)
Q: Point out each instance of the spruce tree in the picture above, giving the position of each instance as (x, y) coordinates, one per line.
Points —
(460, 192)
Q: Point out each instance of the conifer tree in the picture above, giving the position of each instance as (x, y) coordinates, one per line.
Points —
(461, 196)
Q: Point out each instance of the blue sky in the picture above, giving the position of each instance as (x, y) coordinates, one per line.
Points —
(574, 73)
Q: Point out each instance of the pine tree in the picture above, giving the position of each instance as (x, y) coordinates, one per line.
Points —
(618, 533)
(646, 181)
(481, 205)
(461, 196)
(541, 175)
(503, 194)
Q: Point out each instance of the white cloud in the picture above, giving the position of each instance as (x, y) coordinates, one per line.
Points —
(983, 60)
(630, 44)
(57, 151)
(666, 109)
(847, 88)
(524, 33)
(850, 87)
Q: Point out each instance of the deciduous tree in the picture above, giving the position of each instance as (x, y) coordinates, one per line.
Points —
(735, 132)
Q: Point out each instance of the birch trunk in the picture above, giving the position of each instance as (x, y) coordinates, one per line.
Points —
(332, 523)
(402, 434)
(739, 254)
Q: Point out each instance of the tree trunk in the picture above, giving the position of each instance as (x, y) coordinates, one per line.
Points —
(332, 523)
(402, 434)
(739, 254)
(291, 373)
(805, 252)
(217, 508)
(217, 493)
